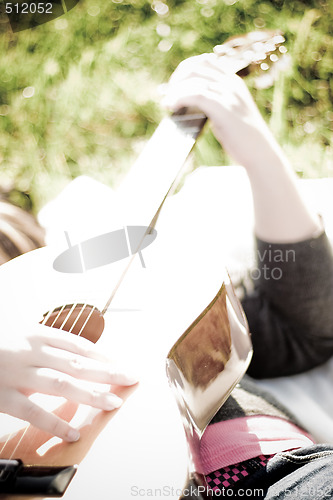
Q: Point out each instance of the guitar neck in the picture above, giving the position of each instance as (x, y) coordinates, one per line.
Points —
(146, 187)
(190, 120)
(149, 181)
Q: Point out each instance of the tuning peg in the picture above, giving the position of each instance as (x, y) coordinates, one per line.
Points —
(278, 39)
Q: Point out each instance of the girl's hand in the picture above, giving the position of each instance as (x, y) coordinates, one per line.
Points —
(53, 362)
(208, 83)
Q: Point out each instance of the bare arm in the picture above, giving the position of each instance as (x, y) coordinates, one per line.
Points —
(204, 82)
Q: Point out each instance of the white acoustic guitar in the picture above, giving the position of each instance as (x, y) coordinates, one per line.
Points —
(140, 449)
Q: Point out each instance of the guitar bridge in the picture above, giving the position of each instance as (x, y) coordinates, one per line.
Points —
(38, 480)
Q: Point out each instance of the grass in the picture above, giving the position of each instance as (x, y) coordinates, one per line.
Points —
(78, 95)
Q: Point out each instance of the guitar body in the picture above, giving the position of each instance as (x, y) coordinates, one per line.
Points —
(140, 448)
(140, 445)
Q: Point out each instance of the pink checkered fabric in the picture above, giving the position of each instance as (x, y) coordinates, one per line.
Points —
(227, 477)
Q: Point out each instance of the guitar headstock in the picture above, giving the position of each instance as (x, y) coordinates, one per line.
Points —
(258, 50)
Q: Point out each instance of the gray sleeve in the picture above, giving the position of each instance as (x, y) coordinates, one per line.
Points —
(290, 311)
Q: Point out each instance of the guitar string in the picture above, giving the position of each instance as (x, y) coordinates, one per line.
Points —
(46, 317)
(78, 317)
(86, 321)
(18, 443)
(4, 445)
(127, 267)
(7, 441)
(67, 317)
(57, 316)
(148, 230)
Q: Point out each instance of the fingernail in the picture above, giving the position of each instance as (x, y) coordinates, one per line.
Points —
(112, 402)
(131, 379)
(73, 435)
(122, 377)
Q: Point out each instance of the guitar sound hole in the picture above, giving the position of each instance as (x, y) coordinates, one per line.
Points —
(81, 319)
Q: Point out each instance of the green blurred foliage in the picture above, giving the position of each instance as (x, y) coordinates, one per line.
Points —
(79, 95)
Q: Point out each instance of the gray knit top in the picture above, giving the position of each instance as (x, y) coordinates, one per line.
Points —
(290, 315)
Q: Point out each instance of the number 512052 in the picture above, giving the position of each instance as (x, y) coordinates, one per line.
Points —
(28, 8)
